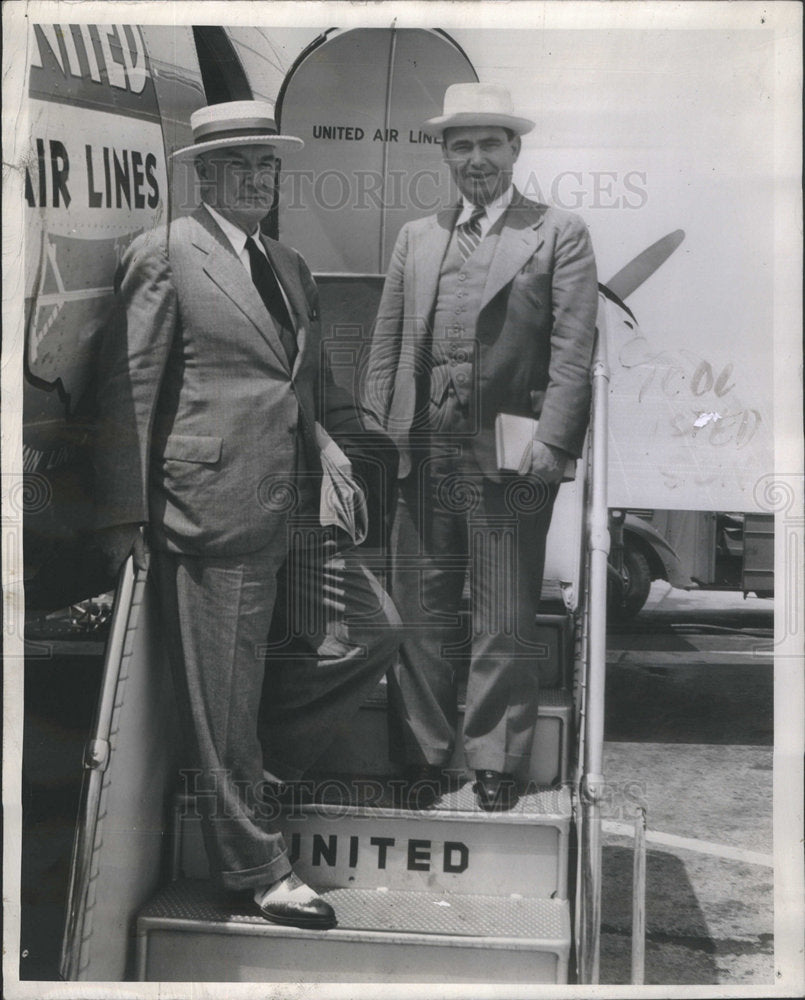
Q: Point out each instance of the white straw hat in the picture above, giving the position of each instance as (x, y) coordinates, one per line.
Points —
(468, 104)
(236, 123)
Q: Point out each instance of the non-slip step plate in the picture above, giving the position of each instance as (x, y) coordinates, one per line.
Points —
(191, 932)
(376, 797)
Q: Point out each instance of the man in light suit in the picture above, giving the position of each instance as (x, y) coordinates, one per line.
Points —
(211, 384)
(487, 307)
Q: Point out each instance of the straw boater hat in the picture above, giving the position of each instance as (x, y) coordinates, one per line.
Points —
(477, 104)
(235, 123)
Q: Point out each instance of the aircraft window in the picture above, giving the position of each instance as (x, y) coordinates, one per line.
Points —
(221, 71)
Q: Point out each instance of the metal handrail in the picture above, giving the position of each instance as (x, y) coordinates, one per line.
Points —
(128, 598)
(592, 777)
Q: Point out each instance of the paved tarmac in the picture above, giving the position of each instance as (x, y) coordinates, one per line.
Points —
(689, 733)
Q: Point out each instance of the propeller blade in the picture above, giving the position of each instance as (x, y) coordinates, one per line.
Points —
(632, 276)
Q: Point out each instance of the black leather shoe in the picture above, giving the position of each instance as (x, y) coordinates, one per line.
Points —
(420, 787)
(495, 790)
(293, 904)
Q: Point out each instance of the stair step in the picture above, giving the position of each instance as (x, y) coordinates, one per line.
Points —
(191, 932)
(364, 750)
(341, 842)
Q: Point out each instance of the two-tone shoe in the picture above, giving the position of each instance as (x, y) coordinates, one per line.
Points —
(292, 903)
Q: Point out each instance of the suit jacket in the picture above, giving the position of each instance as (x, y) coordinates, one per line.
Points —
(200, 416)
(534, 334)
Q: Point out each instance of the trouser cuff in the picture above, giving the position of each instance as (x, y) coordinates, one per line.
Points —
(256, 878)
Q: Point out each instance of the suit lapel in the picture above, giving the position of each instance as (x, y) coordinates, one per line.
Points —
(519, 240)
(231, 277)
(295, 293)
(428, 260)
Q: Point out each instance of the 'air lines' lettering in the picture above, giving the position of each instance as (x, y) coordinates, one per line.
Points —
(115, 178)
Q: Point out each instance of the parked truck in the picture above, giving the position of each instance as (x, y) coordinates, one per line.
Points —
(690, 549)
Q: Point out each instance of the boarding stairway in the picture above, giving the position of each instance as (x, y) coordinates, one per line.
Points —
(444, 893)
(447, 893)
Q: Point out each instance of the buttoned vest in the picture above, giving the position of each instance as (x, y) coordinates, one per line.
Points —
(455, 317)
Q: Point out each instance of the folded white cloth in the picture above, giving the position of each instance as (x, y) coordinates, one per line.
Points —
(342, 503)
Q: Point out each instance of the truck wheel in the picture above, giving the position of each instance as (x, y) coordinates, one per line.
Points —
(625, 597)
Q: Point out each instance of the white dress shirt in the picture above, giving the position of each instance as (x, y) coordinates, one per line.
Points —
(238, 238)
(494, 210)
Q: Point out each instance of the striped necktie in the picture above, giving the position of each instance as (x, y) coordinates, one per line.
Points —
(469, 232)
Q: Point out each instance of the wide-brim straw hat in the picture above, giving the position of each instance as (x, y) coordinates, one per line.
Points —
(235, 123)
(467, 104)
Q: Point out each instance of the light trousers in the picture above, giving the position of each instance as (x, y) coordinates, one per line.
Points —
(272, 655)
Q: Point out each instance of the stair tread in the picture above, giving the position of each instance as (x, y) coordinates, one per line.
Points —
(374, 797)
(513, 919)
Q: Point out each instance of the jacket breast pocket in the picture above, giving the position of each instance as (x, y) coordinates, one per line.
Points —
(192, 448)
(533, 286)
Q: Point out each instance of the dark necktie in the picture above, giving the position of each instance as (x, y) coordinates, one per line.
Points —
(469, 232)
(265, 281)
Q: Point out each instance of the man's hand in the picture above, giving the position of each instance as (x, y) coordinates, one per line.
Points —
(548, 462)
(118, 541)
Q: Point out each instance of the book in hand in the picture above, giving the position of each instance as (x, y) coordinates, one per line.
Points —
(513, 437)
(342, 502)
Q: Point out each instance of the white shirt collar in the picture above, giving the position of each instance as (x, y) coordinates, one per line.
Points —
(494, 210)
(238, 238)
(235, 234)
